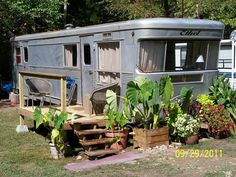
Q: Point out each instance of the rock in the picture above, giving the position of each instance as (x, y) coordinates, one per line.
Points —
(79, 157)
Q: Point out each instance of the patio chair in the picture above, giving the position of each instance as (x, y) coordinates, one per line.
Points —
(38, 88)
(98, 97)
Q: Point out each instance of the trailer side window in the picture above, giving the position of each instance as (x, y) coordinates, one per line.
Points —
(109, 62)
(18, 55)
(151, 56)
(26, 57)
(70, 55)
(87, 54)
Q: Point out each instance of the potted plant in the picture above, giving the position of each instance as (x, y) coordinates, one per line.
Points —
(181, 104)
(54, 122)
(116, 121)
(187, 127)
(147, 99)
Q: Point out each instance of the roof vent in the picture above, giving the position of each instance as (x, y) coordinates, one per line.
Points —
(68, 26)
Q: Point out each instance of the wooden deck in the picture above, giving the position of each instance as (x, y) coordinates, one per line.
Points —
(76, 114)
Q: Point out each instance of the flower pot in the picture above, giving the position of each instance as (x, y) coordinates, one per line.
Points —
(54, 151)
(123, 137)
(191, 139)
(117, 146)
(144, 138)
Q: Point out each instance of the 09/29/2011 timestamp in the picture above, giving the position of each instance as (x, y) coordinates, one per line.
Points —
(199, 153)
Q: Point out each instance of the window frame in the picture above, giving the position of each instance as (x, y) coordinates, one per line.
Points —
(64, 55)
(98, 70)
(165, 54)
(90, 55)
(26, 47)
(18, 55)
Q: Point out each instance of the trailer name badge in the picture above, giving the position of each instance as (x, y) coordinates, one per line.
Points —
(190, 32)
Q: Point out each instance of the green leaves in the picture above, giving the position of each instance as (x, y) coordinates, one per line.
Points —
(186, 96)
(38, 117)
(145, 95)
(60, 119)
(111, 99)
(166, 90)
(54, 122)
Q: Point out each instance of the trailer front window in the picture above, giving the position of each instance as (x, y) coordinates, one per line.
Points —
(176, 55)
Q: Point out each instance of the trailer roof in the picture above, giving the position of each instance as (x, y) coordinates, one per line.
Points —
(150, 23)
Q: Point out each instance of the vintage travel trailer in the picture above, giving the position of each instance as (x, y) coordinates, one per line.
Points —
(118, 52)
(227, 56)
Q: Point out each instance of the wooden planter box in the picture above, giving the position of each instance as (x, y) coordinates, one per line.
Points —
(150, 138)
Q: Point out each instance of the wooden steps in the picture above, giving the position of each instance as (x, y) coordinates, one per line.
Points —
(96, 141)
(91, 134)
(100, 153)
(91, 131)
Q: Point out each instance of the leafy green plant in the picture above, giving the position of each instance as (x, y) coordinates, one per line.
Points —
(186, 125)
(222, 93)
(54, 123)
(116, 118)
(186, 95)
(144, 94)
(204, 99)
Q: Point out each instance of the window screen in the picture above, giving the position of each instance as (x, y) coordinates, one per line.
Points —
(109, 62)
(70, 55)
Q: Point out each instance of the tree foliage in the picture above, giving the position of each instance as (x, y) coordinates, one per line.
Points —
(28, 16)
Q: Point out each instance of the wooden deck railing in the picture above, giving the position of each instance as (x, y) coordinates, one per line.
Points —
(62, 79)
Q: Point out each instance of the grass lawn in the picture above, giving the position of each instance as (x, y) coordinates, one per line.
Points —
(27, 155)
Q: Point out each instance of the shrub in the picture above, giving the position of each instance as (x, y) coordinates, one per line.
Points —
(186, 125)
(217, 118)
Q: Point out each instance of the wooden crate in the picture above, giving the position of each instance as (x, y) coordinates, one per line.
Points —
(150, 138)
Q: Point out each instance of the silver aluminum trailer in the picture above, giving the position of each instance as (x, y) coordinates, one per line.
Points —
(227, 59)
(118, 52)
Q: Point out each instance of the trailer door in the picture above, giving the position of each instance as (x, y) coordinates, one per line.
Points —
(88, 62)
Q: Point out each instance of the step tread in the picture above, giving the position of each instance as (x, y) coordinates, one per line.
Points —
(95, 141)
(91, 131)
(101, 152)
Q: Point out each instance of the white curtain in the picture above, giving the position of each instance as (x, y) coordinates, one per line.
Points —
(151, 56)
(68, 55)
(109, 62)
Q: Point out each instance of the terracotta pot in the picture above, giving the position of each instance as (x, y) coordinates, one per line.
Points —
(191, 139)
(123, 137)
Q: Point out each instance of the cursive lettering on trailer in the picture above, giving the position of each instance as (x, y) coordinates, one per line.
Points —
(190, 32)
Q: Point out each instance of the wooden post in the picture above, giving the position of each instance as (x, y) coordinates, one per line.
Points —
(21, 92)
(63, 94)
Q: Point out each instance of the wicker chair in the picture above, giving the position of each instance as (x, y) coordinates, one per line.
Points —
(98, 97)
(38, 88)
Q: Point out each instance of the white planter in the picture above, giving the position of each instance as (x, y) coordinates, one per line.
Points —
(54, 151)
